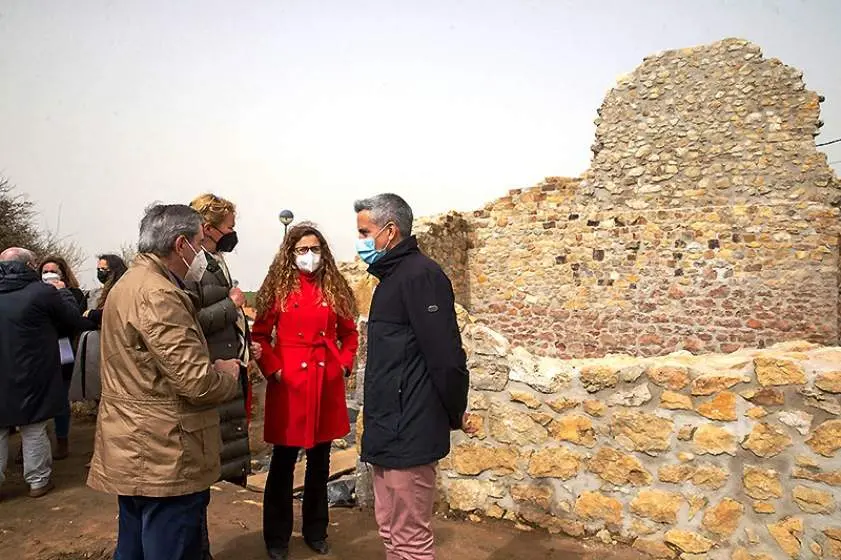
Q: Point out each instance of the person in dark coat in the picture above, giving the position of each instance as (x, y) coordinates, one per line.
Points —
(33, 316)
(219, 303)
(55, 267)
(416, 378)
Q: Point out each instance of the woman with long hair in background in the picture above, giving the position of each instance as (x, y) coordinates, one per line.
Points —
(310, 306)
(55, 268)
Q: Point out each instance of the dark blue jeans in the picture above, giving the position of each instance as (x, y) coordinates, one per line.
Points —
(161, 528)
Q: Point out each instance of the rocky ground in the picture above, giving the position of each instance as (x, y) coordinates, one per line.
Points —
(74, 522)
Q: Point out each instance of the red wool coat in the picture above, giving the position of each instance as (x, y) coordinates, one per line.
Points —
(313, 348)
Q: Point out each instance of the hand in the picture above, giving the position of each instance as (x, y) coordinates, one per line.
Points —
(276, 376)
(256, 350)
(227, 367)
(58, 284)
(467, 426)
(237, 296)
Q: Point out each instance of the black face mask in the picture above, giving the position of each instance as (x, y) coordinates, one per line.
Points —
(103, 275)
(227, 242)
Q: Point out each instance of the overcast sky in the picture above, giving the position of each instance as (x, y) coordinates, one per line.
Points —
(107, 106)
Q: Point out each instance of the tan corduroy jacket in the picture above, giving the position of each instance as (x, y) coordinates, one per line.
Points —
(157, 431)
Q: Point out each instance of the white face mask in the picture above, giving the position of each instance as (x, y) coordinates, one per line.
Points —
(50, 277)
(308, 262)
(197, 268)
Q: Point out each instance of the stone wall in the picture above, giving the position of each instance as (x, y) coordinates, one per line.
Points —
(715, 456)
(707, 220)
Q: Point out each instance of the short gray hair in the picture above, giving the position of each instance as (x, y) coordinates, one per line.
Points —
(18, 254)
(163, 224)
(387, 207)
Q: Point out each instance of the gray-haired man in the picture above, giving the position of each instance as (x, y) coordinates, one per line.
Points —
(157, 442)
(416, 376)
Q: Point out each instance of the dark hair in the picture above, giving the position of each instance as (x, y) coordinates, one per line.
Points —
(282, 278)
(117, 267)
(67, 274)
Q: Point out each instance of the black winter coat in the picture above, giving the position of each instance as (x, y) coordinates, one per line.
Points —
(416, 378)
(33, 316)
(217, 315)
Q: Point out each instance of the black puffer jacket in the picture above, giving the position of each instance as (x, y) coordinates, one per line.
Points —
(33, 316)
(218, 316)
(416, 377)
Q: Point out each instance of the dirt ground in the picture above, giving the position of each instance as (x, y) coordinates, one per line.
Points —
(74, 522)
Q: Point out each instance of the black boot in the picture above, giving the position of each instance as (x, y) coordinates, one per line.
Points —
(278, 553)
(320, 547)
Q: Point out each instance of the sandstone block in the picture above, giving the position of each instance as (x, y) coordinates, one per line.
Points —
(766, 396)
(723, 519)
(714, 440)
(532, 494)
(760, 483)
(508, 425)
(525, 398)
(471, 494)
(657, 505)
(473, 459)
(562, 404)
(764, 508)
(619, 468)
(595, 408)
(721, 407)
(812, 500)
(654, 548)
(756, 412)
(774, 371)
(687, 541)
(712, 383)
(595, 506)
(596, 378)
(642, 431)
(766, 440)
(826, 439)
(832, 478)
(788, 533)
(475, 423)
(554, 462)
(488, 375)
(697, 502)
(543, 374)
(741, 553)
(675, 401)
(575, 429)
(829, 381)
(637, 396)
(672, 378)
(797, 419)
(710, 477)
(477, 401)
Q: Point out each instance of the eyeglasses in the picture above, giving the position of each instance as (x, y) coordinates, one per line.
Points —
(316, 250)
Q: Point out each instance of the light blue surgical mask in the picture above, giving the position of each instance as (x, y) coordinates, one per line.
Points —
(367, 248)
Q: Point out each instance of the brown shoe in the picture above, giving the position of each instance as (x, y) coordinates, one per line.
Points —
(62, 448)
(38, 492)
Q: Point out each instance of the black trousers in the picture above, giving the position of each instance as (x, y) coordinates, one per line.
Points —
(277, 500)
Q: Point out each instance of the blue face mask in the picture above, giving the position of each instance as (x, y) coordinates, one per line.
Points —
(367, 249)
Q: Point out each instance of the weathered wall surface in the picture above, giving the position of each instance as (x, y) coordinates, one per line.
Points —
(707, 220)
(722, 456)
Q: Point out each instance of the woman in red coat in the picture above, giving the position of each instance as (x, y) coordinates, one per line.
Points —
(311, 308)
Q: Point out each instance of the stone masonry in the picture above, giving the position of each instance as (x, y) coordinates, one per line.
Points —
(707, 221)
(722, 456)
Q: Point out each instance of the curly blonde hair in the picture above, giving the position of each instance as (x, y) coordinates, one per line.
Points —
(213, 209)
(283, 276)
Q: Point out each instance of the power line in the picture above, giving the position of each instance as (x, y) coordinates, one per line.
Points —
(828, 143)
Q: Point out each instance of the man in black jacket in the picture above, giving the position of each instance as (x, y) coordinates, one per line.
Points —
(416, 378)
(33, 316)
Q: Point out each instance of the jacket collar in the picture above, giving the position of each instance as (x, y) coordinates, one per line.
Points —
(154, 263)
(392, 259)
(15, 276)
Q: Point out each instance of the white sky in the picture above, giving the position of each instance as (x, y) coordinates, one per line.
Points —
(107, 106)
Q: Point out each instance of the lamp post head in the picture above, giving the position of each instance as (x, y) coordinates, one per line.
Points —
(286, 217)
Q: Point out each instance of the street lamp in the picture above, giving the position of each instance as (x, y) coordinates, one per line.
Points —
(285, 217)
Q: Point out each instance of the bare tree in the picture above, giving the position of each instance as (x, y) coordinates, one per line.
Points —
(18, 228)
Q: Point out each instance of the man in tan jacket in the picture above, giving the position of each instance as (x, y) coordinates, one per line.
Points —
(157, 435)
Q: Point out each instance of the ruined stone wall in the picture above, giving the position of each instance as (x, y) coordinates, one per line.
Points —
(719, 456)
(707, 220)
